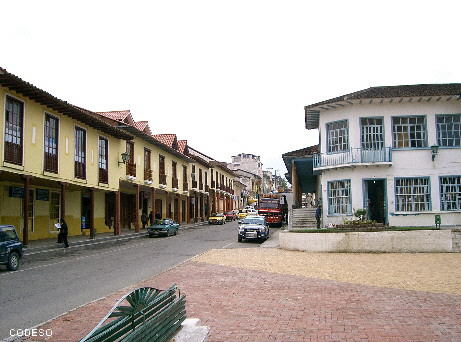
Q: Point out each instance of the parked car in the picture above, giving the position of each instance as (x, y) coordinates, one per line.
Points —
(10, 247)
(253, 227)
(252, 212)
(242, 214)
(217, 218)
(164, 227)
(231, 216)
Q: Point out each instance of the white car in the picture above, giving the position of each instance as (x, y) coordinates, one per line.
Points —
(252, 212)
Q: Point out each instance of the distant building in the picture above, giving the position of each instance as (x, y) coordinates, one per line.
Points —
(247, 162)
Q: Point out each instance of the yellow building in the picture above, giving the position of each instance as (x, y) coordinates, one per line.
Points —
(57, 161)
(102, 172)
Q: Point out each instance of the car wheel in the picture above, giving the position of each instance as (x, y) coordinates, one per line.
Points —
(175, 232)
(239, 238)
(13, 261)
(151, 235)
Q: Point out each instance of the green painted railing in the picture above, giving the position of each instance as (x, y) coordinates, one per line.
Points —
(151, 315)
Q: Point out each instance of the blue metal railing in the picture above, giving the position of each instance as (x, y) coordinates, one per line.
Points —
(353, 156)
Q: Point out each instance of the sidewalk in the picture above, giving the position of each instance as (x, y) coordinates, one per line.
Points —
(268, 294)
(45, 248)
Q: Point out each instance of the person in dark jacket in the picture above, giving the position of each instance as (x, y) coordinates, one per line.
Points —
(64, 231)
(318, 215)
(144, 220)
(151, 217)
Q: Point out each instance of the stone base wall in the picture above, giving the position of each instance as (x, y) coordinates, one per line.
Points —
(418, 241)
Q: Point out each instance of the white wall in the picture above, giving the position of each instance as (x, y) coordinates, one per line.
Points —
(405, 163)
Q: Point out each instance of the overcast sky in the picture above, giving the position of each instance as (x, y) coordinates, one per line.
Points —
(228, 76)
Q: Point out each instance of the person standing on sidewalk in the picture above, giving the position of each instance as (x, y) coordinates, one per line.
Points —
(318, 215)
(64, 232)
(144, 219)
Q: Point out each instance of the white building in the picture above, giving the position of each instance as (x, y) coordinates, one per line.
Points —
(247, 162)
(395, 151)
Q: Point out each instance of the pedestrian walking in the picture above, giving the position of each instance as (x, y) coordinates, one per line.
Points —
(143, 219)
(158, 216)
(318, 215)
(64, 231)
(151, 217)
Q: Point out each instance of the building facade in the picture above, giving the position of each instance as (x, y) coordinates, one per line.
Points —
(394, 151)
(99, 171)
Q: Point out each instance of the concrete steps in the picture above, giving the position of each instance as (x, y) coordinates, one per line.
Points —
(303, 218)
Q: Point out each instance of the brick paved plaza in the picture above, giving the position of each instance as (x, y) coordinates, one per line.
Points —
(267, 294)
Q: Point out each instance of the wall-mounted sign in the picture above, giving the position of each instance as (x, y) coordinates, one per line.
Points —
(16, 191)
(42, 194)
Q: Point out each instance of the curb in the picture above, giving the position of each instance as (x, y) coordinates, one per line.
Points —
(46, 252)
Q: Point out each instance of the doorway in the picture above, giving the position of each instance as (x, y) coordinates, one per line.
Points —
(375, 201)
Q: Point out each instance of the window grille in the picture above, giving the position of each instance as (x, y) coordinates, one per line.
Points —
(372, 133)
(147, 165)
(450, 192)
(412, 194)
(339, 197)
(409, 132)
(338, 136)
(80, 153)
(55, 205)
(449, 130)
(14, 116)
(103, 160)
(51, 144)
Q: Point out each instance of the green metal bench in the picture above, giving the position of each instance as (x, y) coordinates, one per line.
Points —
(152, 315)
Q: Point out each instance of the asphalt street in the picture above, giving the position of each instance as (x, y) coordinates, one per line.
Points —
(43, 290)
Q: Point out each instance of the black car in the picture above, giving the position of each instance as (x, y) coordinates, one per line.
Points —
(10, 247)
(253, 227)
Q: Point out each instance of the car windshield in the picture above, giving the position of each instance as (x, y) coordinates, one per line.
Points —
(164, 222)
(229, 213)
(7, 234)
(268, 205)
(253, 220)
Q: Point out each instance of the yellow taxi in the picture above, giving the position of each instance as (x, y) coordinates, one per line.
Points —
(242, 214)
(217, 218)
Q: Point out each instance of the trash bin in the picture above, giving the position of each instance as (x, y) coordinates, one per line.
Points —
(438, 221)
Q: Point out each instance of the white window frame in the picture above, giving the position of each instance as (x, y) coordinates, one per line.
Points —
(339, 197)
(450, 193)
(404, 127)
(337, 136)
(412, 194)
(448, 133)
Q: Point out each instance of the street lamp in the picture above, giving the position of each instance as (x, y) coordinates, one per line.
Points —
(125, 157)
(434, 151)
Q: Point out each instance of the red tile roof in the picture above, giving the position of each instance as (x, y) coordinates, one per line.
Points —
(167, 139)
(119, 115)
(143, 126)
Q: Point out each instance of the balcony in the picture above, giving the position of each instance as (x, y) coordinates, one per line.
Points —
(194, 185)
(353, 157)
(131, 169)
(148, 175)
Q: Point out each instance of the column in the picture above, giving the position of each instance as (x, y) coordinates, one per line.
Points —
(91, 223)
(63, 200)
(188, 204)
(25, 235)
(154, 211)
(117, 229)
(136, 222)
